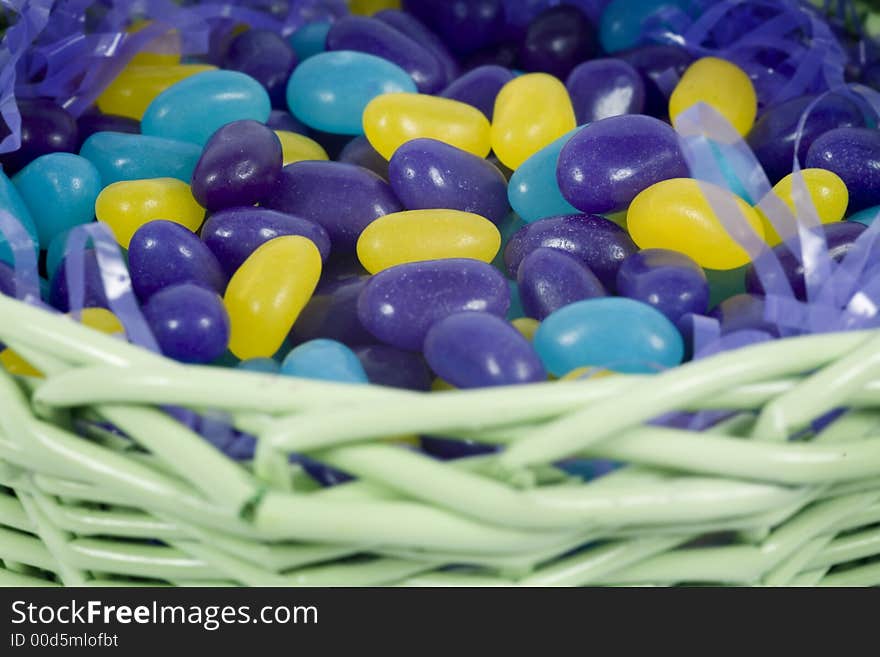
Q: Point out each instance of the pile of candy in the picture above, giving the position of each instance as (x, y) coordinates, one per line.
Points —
(467, 193)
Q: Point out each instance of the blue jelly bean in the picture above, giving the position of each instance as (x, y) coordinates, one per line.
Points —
(419, 32)
(94, 121)
(516, 310)
(614, 333)
(477, 350)
(396, 368)
(11, 202)
(93, 285)
(283, 120)
(119, 156)
(195, 108)
(332, 312)
(189, 322)
(550, 279)
(479, 87)
(605, 87)
(330, 91)
(622, 23)
(326, 360)
(261, 365)
(360, 151)
(60, 190)
(45, 128)
(310, 39)
(866, 216)
(667, 280)
(533, 191)
(266, 57)
(854, 155)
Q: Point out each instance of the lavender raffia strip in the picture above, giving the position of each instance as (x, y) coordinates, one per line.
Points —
(24, 258)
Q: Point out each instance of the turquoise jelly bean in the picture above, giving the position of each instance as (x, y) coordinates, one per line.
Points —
(622, 20)
(327, 360)
(330, 90)
(55, 252)
(866, 216)
(11, 201)
(264, 365)
(60, 190)
(508, 227)
(516, 308)
(120, 156)
(310, 39)
(533, 191)
(616, 333)
(193, 109)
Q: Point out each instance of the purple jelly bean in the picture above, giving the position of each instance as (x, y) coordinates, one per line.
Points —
(463, 25)
(606, 164)
(343, 198)
(550, 279)
(773, 136)
(419, 32)
(557, 40)
(266, 57)
(660, 68)
(605, 87)
(503, 55)
(45, 128)
(374, 37)
(399, 305)
(743, 312)
(479, 87)
(163, 253)
(449, 448)
(670, 281)
(282, 120)
(597, 242)
(477, 350)
(426, 173)
(92, 122)
(360, 151)
(233, 234)
(396, 368)
(854, 155)
(189, 322)
(240, 165)
(93, 285)
(332, 313)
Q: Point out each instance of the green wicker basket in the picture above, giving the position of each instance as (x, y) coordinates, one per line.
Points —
(741, 504)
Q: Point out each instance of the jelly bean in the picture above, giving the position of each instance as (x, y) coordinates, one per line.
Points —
(419, 32)
(262, 365)
(60, 190)
(606, 164)
(865, 217)
(616, 333)
(189, 322)
(479, 87)
(132, 91)
(533, 191)
(330, 91)
(281, 120)
(508, 228)
(675, 214)
(773, 137)
(240, 165)
(93, 122)
(101, 320)
(854, 155)
(296, 148)
(503, 55)
(343, 198)
(326, 360)
(605, 87)
(332, 313)
(163, 253)
(531, 111)
(656, 64)
(12, 202)
(448, 448)
(600, 244)
(839, 239)
(476, 350)
(372, 36)
(623, 21)
(463, 25)
(310, 39)
(391, 120)
(426, 173)
(721, 85)
(119, 156)
(669, 281)
(128, 205)
(360, 152)
(7, 280)
(195, 108)
(557, 40)
(94, 295)
(267, 293)
(550, 279)
(266, 57)
(526, 326)
(743, 312)
(417, 235)
(827, 192)
(400, 304)
(17, 366)
(45, 128)
(235, 233)
(387, 366)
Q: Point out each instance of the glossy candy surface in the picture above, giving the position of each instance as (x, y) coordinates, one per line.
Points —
(720, 84)
(126, 206)
(132, 91)
(463, 25)
(266, 57)
(606, 164)
(400, 304)
(475, 350)
(419, 32)
(854, 155)
(623, 21)
(426, 173)
(826, 190)
(118, 156)
(11, 202)
(360, 152)
(479, 87)
(330, 91)
(557, 40)
(388, 366)
(189, 323)
(266, 294)
(550, 279)
(310, 39)
(325, 360)
(667, 280)
(655, 64)
(531, 111)
(284, 120)
(616, 333)
(195, 108)
(94, 121)
(296, 148)
(601, 88)
(533, 191)
(332, 313)
(239, 165)
(45, 128)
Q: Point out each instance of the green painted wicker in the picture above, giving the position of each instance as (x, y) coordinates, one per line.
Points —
(741, 504)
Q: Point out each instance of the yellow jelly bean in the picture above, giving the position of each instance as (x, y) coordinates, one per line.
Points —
(268, 292)
(101, 320)
(674, 214)
(526, 326)
(723, 86)
(370, 7)
(18, 366)
(415, 235)
(296, 148)
(439, 385)
(828, 192)
(531, 111)
(391, 120)
(126, 206)
(136, 87)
